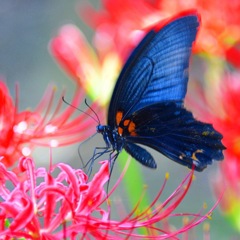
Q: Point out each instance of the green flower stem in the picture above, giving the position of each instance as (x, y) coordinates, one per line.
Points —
(134, 184)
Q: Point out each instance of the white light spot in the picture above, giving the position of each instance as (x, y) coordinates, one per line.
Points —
(26, 151)
(53, 143)
(50, 128)
(20, 127)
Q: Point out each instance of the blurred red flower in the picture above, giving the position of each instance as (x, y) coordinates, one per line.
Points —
(117, 25)
(233, 54)
(45, 126)
(93, 73)
(118, 20)
(222, 108)
(228, 122)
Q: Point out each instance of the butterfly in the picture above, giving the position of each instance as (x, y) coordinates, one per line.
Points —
(147, 106)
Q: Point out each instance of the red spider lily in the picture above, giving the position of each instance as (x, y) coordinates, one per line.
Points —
(119, 19)
(45, 126)
(229, 124)
(220, 22)
(61, 203)
(69, 194)
(221, 108)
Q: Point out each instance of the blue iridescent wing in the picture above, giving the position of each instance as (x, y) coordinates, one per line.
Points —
(173, 131)
(157, 70)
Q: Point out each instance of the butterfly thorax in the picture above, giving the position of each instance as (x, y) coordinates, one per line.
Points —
(111, 137)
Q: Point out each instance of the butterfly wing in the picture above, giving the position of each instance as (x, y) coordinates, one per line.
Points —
(141, 155)
(173, 131)
(157, 70)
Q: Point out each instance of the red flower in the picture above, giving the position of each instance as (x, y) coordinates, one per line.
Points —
(222, 108)
(227, 120)
(118, 20)
(61, 203)
(45, 126)
(58, 200)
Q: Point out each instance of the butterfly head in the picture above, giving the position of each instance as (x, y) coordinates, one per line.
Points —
(101, 128)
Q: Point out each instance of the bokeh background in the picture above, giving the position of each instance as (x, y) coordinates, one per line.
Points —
(26, 28)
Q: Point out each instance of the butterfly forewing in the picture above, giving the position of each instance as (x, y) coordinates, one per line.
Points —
(157, 70)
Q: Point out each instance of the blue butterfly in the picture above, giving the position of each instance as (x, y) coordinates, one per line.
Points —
(147, 103)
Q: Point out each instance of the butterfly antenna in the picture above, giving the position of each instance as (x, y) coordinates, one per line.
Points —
(96, 120)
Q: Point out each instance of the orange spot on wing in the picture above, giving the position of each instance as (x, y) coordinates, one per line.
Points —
(133, 134)
(126, 122)
(125, 126)
(131, 127)
(194, 157)
(120, 131)
(119, 117)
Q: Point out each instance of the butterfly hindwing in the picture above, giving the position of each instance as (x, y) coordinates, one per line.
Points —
(140, 154)
(157, 70)
(172, 130)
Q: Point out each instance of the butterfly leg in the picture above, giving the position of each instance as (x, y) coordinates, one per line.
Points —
(95, 156)
(112, 158)
(79, 151)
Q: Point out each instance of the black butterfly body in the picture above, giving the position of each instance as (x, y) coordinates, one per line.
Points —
(147, 103)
